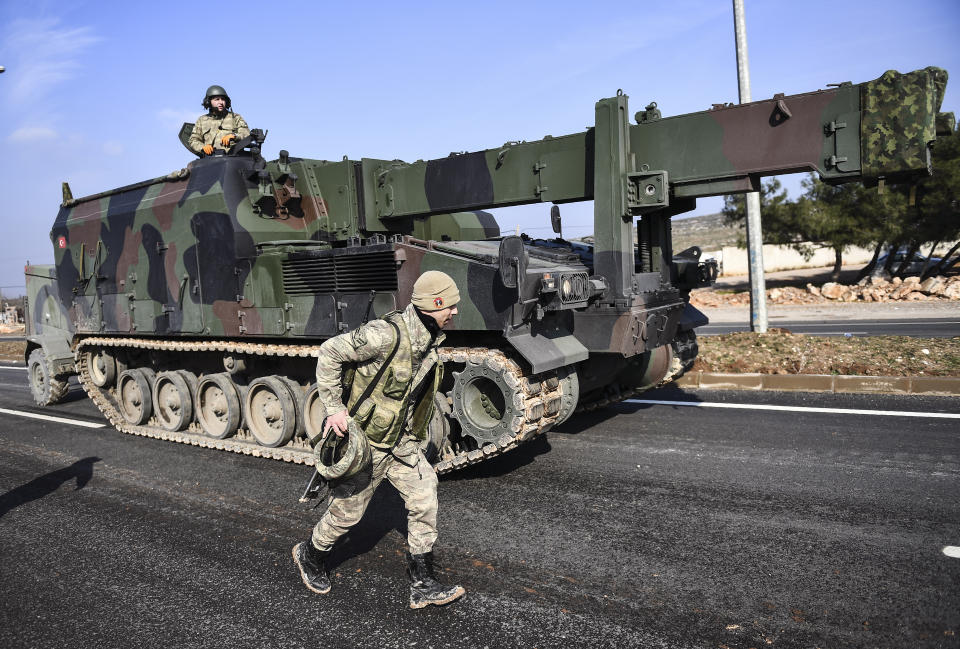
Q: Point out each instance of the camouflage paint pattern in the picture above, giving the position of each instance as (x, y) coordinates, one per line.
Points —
(899, 121)
(707, 153)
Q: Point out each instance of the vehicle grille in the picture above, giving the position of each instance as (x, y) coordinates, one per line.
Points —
(375, 271)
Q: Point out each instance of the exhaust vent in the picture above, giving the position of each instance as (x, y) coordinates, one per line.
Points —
(351, 273)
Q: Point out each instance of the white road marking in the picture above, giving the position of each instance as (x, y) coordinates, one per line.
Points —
(59, 420)
(833, 411)
(952, 551)
(12, 367)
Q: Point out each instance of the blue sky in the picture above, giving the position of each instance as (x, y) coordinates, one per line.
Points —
(94, 92)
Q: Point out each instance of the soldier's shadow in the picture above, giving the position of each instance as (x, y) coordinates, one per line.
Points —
(81, 470)
(385, 513)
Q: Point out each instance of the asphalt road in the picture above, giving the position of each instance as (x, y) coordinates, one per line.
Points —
(914, 327)
(917, 319)
(645, 525)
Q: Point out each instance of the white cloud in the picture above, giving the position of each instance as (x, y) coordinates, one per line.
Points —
(172, 119)
(32, 133)
(43, 55)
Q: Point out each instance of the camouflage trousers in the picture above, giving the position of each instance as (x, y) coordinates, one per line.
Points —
(411, 474)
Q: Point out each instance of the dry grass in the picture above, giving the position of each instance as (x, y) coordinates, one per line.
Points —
(780, 352)
(12, 350)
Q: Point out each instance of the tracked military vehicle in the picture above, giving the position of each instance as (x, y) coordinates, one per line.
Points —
(196, 302)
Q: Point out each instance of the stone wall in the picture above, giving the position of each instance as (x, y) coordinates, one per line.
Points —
(733, 260)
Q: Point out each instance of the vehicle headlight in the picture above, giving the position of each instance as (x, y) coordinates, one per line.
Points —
(573, 287)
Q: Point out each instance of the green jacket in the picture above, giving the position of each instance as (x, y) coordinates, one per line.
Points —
(358, 356)
(210, 130)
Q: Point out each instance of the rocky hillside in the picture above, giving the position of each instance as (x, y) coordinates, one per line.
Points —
(707, 231)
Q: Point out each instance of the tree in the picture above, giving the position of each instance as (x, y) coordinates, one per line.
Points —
(938, 201)
(857, 215)
(773, 208)
(824, 217)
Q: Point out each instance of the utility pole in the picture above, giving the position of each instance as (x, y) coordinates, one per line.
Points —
(758, 284)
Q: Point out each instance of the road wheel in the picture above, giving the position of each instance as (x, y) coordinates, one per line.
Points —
(570, 393)
(218, 406)
(135, 395)
(47, 389)
(102, 367)
(271, 411)
(173, 401)
(313, 415)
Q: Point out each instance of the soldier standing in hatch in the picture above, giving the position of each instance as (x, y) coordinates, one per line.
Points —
(395, 419)
(220, 126)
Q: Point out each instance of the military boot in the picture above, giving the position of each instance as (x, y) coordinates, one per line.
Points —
(424, 587)
(313, 567)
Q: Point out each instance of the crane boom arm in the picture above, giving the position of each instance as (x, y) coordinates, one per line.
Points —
(863, 132)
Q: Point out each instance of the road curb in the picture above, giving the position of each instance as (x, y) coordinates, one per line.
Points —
(931, 385)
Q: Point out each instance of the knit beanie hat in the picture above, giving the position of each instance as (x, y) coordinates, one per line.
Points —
(435, 290)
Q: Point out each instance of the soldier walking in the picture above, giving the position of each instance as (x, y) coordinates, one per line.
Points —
(395, 363)
(219, 127)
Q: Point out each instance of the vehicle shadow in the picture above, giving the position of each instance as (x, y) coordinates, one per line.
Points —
(500, 465)
(586, 420)
(75, 393)
(81, 470)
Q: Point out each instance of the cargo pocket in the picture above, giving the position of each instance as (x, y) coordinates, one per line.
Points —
(364, 413)
(380, 424)
(395, 383)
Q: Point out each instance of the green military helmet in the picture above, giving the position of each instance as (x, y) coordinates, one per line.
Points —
(215, 91)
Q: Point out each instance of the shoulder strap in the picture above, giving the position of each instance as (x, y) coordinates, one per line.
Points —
(383, 368)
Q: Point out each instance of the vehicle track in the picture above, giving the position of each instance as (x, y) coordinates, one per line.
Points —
(538, 398)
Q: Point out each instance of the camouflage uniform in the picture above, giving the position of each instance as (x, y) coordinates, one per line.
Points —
(210, 129)
(395, 443)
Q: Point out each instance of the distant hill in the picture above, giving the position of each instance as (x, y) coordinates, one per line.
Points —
(707, 231)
